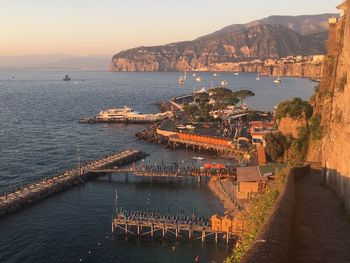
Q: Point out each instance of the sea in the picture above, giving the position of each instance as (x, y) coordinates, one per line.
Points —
(39, 137)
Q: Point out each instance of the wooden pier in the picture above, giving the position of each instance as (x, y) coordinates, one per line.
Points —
(171, 171)
(23, 196)
(153, 225)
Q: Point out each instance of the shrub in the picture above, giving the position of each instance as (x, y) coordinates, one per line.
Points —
(255, 215)
(316, 130)
(342, 83)
(295, 108)
(276, 145)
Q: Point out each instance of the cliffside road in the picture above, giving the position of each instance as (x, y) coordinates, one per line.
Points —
(321, 231)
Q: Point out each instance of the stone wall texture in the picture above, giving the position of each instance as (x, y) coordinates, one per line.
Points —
(273, 242)
(333, 104)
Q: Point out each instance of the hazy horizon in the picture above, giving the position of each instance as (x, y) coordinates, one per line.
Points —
(89, 28)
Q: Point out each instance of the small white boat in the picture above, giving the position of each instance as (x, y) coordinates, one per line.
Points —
(198, 79)
(224, 83)
(236, 74)
(215, 74)
(258, 76)
(199, 158)
(194, 74)
(181, 127)
(181, 80)
(278, 80)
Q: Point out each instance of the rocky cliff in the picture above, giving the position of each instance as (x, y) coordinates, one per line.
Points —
(273, 37)
(332, 103)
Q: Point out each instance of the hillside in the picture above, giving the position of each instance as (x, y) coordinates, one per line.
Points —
(272, 37)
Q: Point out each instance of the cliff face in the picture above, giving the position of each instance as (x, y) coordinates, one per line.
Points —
(333, 105)
(310, 67)
(272, 37)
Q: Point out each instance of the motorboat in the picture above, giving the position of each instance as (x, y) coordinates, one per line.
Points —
(278, 80)
(224, 83)
(198, 79)
(66, 78)
(236, 74)
(198, 158)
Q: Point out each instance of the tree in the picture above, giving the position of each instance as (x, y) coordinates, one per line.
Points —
(242, 94)
(295, 108)
(276, 145)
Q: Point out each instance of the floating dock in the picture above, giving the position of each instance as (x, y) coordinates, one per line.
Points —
(153, 225)
(24, 196)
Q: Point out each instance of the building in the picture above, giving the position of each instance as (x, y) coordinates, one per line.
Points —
(251, 180)
(258, 130)
(248, 181)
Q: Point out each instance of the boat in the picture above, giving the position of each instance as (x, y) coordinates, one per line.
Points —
(215, 74)
(199, 158)
(224, 83)
(258, 76)
(181, 127)
(183, 77)
(278, 80)
(236, 74)
(114, 114)
(182, 80)
(198, 79)
(194, 74)
(66, 78)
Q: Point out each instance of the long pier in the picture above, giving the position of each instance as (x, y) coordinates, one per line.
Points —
(171, 171)
(152, 225)
(23, 196)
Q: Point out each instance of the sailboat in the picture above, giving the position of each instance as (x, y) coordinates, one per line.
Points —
(258, 76)
(183, 77)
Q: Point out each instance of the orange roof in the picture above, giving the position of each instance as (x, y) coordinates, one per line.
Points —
(343, 6)
(261, 154)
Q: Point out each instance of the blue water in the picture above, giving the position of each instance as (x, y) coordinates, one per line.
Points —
(39, 134)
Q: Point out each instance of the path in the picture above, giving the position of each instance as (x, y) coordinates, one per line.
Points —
(321, 231)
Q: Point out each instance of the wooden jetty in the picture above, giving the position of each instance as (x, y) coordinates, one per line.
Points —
(23, 196)
(152, 225)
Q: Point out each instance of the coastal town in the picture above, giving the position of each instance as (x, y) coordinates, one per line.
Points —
(231, 147)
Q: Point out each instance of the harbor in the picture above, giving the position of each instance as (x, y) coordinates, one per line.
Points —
(48, 147)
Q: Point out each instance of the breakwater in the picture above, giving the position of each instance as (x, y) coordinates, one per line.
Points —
(23, 196)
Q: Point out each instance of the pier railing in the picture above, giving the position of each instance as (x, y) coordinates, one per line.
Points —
(149, 224)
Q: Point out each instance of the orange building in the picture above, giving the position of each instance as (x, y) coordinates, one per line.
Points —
(226, 224)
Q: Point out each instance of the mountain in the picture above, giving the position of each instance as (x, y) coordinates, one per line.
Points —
(271, 37)
(58, 61)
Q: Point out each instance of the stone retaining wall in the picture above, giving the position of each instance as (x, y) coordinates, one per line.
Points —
(274, 238)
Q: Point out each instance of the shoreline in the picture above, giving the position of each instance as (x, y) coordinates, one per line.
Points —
(229, 206)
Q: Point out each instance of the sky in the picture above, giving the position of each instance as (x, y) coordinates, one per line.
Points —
(94, 27)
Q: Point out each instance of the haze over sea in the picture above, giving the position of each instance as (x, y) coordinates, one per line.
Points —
(39, 134)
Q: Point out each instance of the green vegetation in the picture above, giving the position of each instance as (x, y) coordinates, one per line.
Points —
(295, 108)
(243, 94)
(255, 215)
(223, 97)
(316, 130)
(276, 146)
(342, 83)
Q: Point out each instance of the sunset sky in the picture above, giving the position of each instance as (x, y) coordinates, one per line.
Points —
(88, 27)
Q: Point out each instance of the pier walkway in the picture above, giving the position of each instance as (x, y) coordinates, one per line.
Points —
(170, 171)
(151, 225)
(12, 201)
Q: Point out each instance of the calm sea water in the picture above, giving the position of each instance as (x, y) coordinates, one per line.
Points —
(39, 134)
